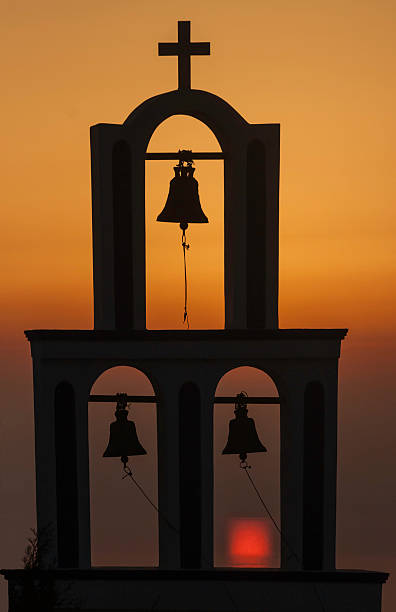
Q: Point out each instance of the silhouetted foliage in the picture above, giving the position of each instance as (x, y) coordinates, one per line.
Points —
(37, 591)
(30, 558)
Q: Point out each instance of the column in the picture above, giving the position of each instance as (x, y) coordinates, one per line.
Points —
(62, 466)
(235, 239)
(118, 227)
(291, 460)
(168, 467)
(190, 474)
(207, 397)
(330, 382)
(46, 502)
(313, 480)
(262, 226)
(82, 469)
(320, 468)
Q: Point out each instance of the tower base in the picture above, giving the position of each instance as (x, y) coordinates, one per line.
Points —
(217, 590)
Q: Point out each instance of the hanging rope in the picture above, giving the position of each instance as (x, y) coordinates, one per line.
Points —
(129, 474)
(246, 467)
(185, 248)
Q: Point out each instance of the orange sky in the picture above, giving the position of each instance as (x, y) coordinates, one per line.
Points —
(324, 71)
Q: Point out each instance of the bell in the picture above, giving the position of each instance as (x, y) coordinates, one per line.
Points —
(183, 205)
(123, 441)
(242, 436)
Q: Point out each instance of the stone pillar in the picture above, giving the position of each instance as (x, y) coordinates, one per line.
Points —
(168, 467)
(67, 528)
(262, 226)
(313, 476)
(172, 499)
(46, 502)
(291, 468)
(330, 383)
(82, 461)
(62, 466)
(138, 232)
(118, 228)
(207, 475)
(190, 475)
(319, 465)
(235, 239)
(103, 139)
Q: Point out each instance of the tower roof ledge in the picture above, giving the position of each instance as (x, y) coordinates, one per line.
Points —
(183, 335)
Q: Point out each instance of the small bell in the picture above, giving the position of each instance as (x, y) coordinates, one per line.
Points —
(123, 441)
(183, 205)
(242, 436)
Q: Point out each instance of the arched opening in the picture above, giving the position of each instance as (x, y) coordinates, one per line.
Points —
(164, 255)
(66, 475)
(244, 533)
(124, 527)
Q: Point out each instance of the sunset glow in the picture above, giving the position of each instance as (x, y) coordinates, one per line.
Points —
(249, 542)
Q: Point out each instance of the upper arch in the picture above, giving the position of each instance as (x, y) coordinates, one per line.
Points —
(269, 373)
(215, 112)
(101, 368)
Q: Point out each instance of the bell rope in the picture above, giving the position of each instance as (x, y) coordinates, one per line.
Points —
(185, 248)
(129, 474)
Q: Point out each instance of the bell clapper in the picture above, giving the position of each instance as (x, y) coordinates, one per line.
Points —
(124, 461)
(126, 468)
(244, 464)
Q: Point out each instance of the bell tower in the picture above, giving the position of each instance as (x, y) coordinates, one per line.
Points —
(184, 368)
(251, 202)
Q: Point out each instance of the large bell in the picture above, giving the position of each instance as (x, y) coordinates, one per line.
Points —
(183, 205)
(123, 441)
(242, 436)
